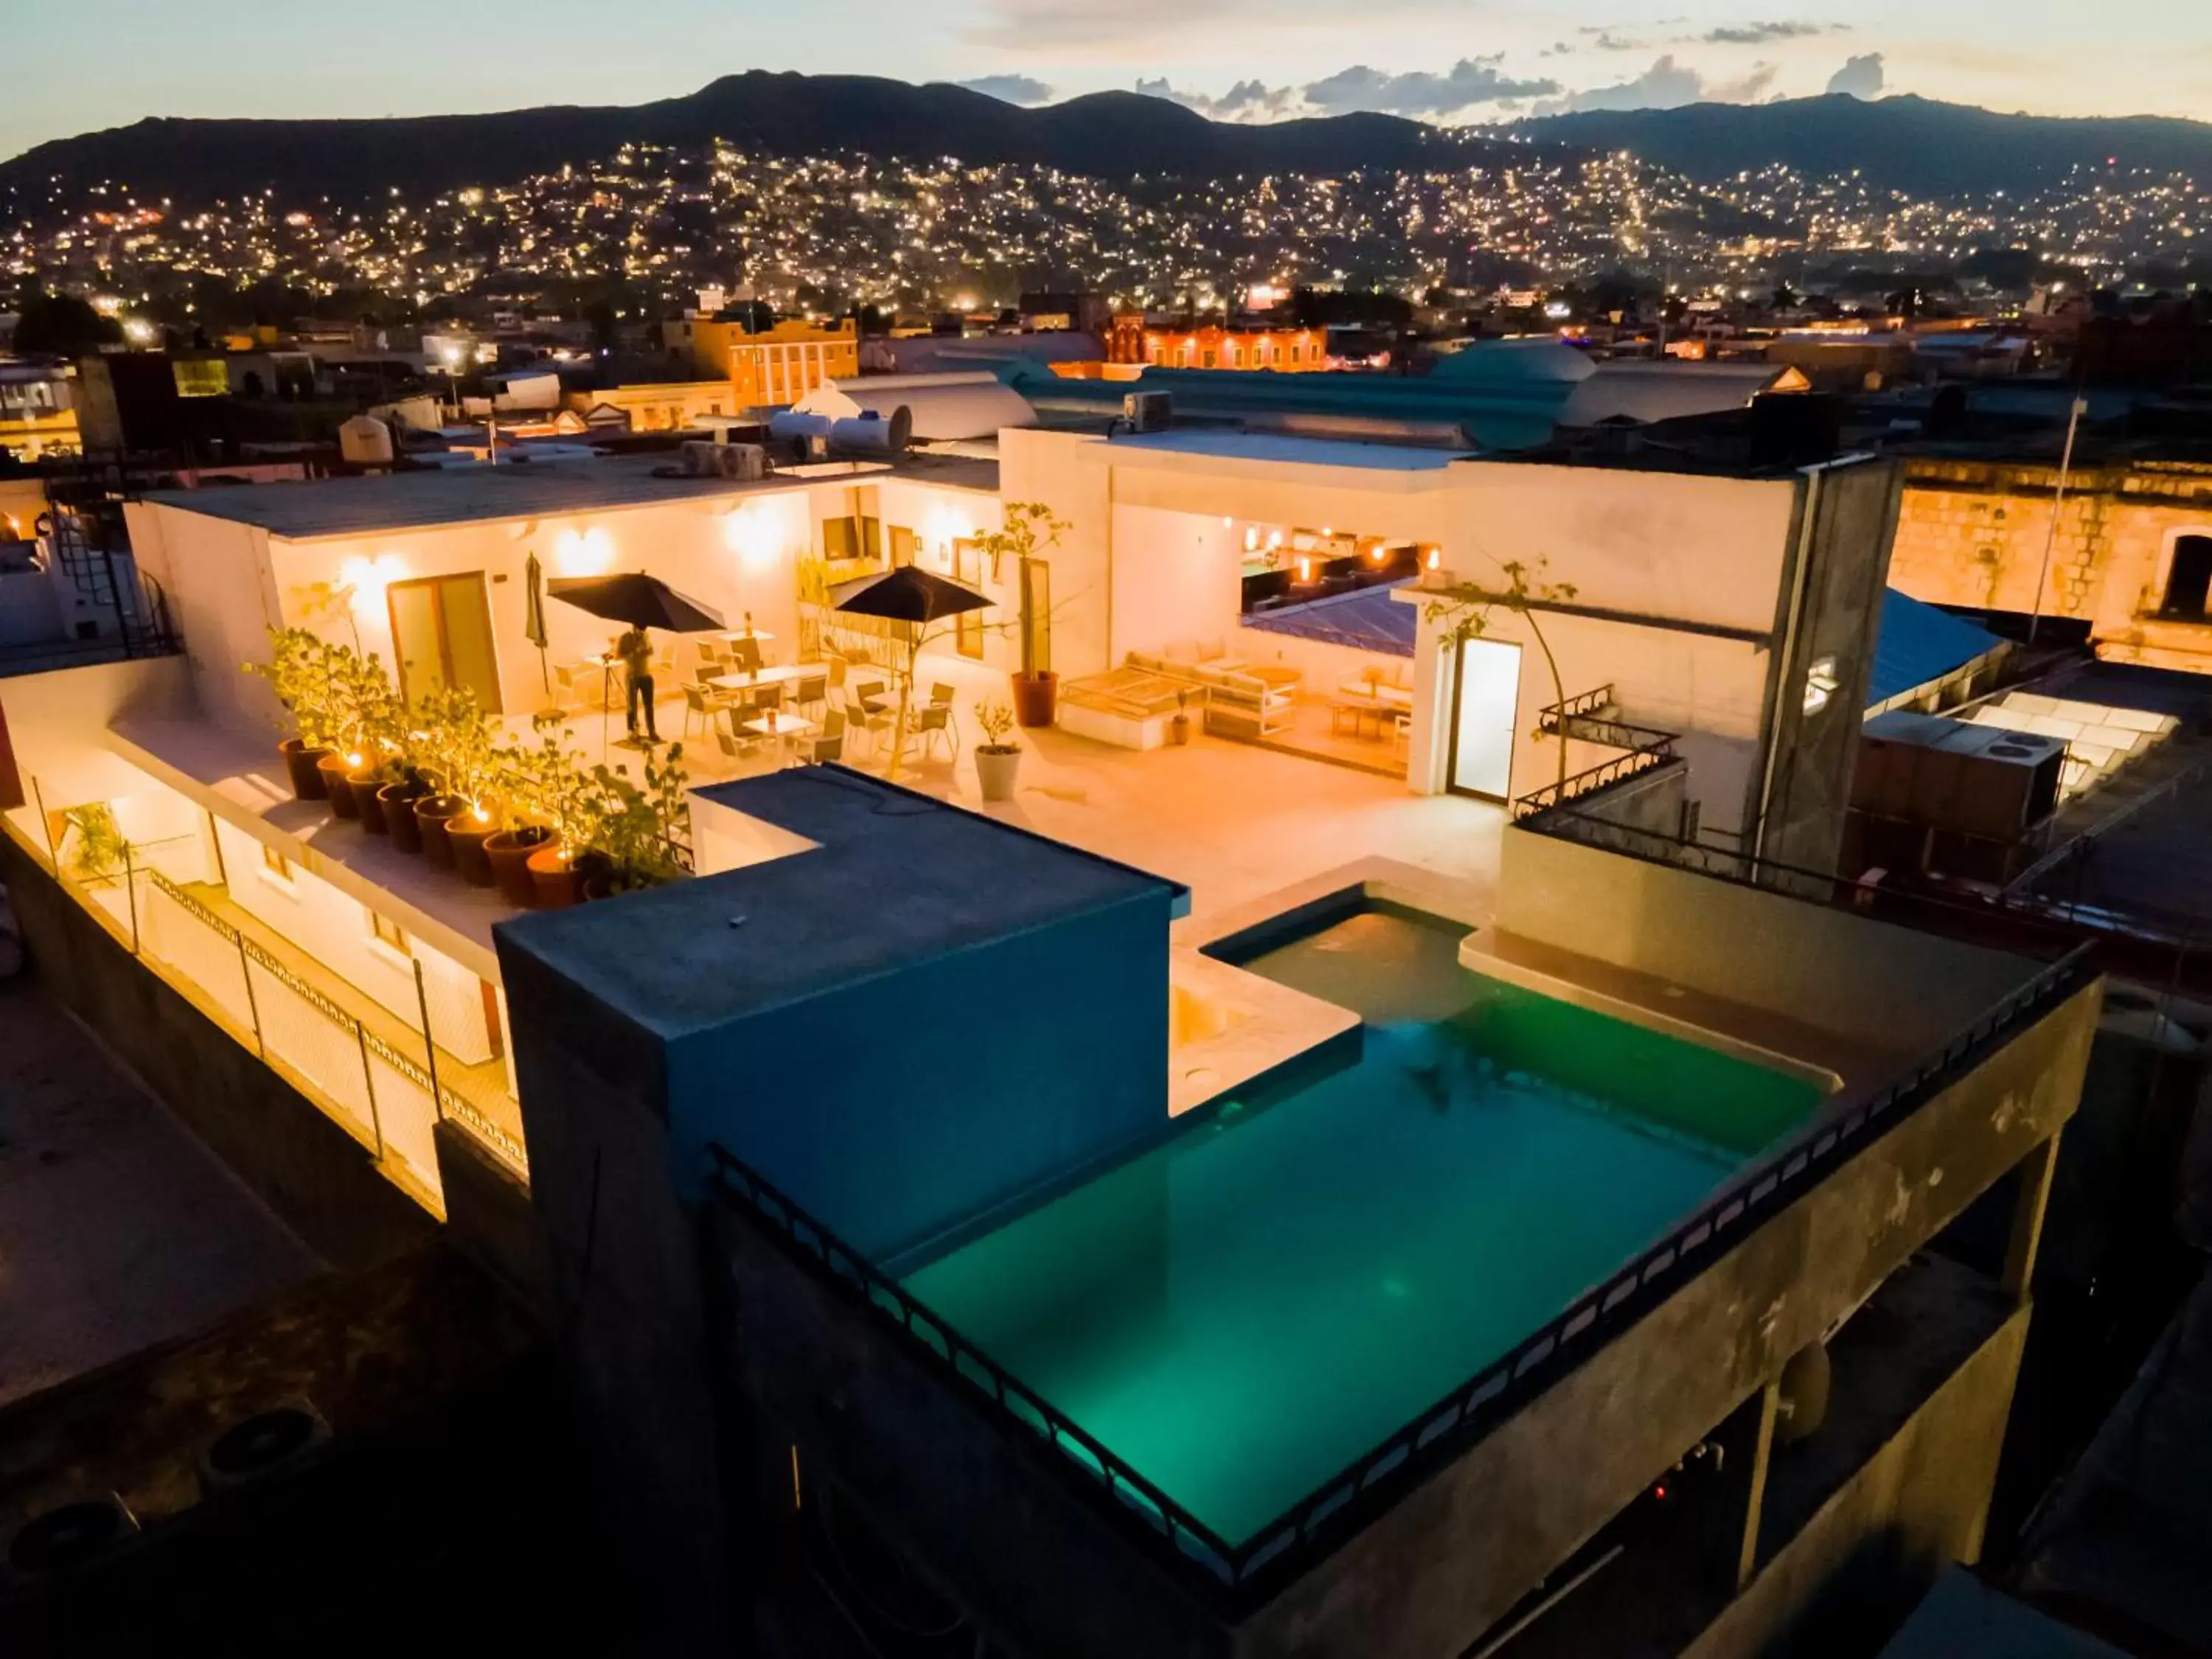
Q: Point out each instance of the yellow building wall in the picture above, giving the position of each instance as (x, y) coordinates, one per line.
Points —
(1973, 534)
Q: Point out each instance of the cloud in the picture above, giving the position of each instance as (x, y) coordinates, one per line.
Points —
(1862, 77)
(1023, 89)
(1666, 85)
(1758, 35)
(1419, 93)
(1607, 40)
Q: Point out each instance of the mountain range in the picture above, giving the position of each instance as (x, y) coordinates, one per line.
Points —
(1906, 143)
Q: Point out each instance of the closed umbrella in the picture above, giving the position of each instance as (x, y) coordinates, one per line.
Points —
(533, 613)
(912, 595)
(638, 600)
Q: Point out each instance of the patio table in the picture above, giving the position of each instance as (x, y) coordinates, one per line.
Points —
(782, 676)
(781, 726)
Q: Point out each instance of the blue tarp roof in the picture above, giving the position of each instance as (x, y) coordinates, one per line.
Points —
(1918, 644)
(1368, 619)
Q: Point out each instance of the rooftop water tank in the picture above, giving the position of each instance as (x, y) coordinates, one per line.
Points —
(364, 441)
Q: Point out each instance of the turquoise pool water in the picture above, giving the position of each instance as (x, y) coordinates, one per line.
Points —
(1242, 1310)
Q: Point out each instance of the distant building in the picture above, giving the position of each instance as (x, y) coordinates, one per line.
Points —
(2131, 558)
(778, 365)
(37, 413)
(1285, 350)
(1084, 313)
(665, 406)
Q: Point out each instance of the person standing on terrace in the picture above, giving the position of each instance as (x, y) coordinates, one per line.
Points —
(636, 651)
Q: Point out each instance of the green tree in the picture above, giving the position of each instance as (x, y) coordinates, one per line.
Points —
(63, 325)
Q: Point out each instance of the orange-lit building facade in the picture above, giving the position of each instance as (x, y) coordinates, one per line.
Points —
(777, 366)
(1285, 350)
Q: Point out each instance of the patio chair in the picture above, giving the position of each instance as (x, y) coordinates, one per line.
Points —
(814, 691)
(871, 693)
(576, 688)
(711, 657)
(700, 704)
(826, 744)
(860, 717)
(932, 723)
(745, 656)
(767, 699)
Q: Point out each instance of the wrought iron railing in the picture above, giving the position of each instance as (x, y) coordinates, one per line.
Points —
(1604, 776)
(1582, 716)
(1252, 1569)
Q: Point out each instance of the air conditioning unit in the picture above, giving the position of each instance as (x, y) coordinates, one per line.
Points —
(269, 1444)
(745, 463)
(698, 458)
(1148, 411)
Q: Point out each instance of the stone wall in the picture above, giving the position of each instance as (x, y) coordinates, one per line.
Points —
(1972, 533)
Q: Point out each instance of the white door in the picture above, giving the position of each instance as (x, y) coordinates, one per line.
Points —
(1486, 700)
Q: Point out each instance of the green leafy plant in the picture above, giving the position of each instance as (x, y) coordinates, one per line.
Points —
(457, 746)
(98, 848)
(634, 828)
(544, 783)
(302, 671)
(1028, 529)
(996, 721)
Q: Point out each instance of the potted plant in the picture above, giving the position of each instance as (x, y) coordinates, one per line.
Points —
(454, 738)
(366, 726)
(1029, 531)
(632, 843)
(1179, 727)
(299, 671)
(397, 800)
(998, 758)
(542, 785)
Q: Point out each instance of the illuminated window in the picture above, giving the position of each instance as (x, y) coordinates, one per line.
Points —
(275, 866)
(386, 932)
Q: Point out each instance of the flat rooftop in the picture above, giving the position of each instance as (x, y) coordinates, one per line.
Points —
(1306, 1266)
(892, 876)
(1284, 448)
(414, 501)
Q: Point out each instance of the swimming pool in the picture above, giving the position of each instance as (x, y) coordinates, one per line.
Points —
(1300, 1270)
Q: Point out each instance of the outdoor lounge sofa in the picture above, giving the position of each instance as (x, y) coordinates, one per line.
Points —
(1237, 704)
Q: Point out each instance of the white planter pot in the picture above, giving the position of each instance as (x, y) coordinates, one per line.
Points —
(995, 771)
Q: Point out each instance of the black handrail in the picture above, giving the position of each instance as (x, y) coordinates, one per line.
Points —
(1372, 1482)
(1604, 776)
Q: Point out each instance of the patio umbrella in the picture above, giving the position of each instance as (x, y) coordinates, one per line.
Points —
(634, 598)
(912, 595)
(533, 613)
(908, 594)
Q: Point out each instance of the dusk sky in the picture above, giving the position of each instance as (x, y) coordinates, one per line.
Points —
(1455, 60)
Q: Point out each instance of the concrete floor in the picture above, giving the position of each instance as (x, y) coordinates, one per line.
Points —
(1233, 821)
(117, 1229)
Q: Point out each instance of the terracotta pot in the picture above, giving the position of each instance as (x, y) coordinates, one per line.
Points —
(509, 855)
(466, 834)
(1179, 729)
(304, 766)
(338, 787)
(996, 769)
(432, 814)
(1036, 699)
(369, 798)
(398, 801)
(557, 878)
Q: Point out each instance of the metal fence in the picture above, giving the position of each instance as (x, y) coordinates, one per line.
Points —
(1251, 1572)
(389, 1099)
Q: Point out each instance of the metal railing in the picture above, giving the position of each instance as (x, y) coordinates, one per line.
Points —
(387, 1098)
(1250, 1570)
(1095, 1466)
(1604, 776)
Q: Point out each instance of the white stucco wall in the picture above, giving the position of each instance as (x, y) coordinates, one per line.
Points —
(333, 928)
